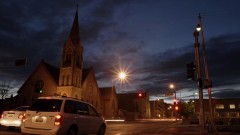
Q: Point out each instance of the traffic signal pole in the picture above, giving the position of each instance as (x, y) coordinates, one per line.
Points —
(199, 77)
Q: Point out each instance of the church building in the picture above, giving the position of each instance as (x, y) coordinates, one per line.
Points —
(70, 79)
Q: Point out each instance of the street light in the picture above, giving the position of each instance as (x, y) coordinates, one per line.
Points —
(122, 75)
(207, 82)
(199, 78)
(194, 93)
(172, 87)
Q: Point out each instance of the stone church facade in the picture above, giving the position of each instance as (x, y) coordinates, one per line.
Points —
(70, 79)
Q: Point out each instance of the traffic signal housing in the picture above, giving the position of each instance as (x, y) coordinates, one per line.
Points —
(191, 71)
(175, 105)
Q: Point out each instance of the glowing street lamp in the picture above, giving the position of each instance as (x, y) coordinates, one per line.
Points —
(171, 86)
(122, 75)
(198, 28)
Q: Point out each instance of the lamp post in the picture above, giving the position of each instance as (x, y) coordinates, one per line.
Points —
(194, 103)
(195, 93)
(207, 82)
(121, 76)
(172, 86)
(199, 78)
(175, 107)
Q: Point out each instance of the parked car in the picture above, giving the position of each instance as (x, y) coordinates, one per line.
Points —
(62, 116)
(13, 118)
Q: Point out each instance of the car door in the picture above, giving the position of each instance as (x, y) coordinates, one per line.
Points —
(82, 115)
(94, 120)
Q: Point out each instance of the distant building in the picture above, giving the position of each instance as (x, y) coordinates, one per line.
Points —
(70, 79)
(159, 109)
(223, 109)
(109, 102)
(134, 105)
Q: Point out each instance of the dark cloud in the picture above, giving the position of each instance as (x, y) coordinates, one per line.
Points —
(38, 30)
(226, 93)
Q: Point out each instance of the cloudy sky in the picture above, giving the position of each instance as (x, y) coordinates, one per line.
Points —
(151, 39)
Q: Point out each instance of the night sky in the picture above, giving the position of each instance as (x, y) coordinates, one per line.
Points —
(151, 39)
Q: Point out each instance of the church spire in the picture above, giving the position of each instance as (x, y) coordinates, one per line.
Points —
(74, 34)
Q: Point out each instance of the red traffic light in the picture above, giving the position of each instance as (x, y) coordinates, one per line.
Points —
(176, 108)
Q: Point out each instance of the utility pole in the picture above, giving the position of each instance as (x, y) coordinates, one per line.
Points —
(207, 82)
(199, 77)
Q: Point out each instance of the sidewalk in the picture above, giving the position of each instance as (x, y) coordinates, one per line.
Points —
(185, 128)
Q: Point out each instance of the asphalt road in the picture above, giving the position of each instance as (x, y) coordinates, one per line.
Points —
(145, 127)
(118, 128)
(139, 127)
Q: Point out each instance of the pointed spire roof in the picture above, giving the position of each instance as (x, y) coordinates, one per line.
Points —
(74, 34)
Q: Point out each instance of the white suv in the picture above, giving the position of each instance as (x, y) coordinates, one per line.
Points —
(62, 116)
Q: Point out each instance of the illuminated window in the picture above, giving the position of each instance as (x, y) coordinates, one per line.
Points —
(232, 106)
(219, 106)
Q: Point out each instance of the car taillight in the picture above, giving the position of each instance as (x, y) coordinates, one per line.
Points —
(58, 120)
(20, 116)
(23, 117)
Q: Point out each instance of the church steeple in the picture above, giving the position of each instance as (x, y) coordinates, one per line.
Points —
(71, 67)
(74, 34)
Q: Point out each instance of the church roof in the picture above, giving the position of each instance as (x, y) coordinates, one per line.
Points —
(85, 73)
(54, 71)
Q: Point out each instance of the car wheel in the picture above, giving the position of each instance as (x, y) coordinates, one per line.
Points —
(101, 130)
(72, 131)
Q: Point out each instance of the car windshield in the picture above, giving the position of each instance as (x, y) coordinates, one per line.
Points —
(46, 105)
(21, 108)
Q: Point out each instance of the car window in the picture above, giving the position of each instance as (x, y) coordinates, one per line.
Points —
(46, 105)
(92, 111)
(82, 108)
(75, 107)
(70, 107)
(21, 108)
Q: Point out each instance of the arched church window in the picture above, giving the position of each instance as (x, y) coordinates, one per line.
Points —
(39, 86)
(67, 83)
(79, 61)
(67, 60)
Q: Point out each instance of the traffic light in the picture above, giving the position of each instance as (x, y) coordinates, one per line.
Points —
(175, 105)
(191, 71)
(176, 108)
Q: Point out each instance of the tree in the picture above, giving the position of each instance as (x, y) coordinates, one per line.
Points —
(185, 109)
(4, 90)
